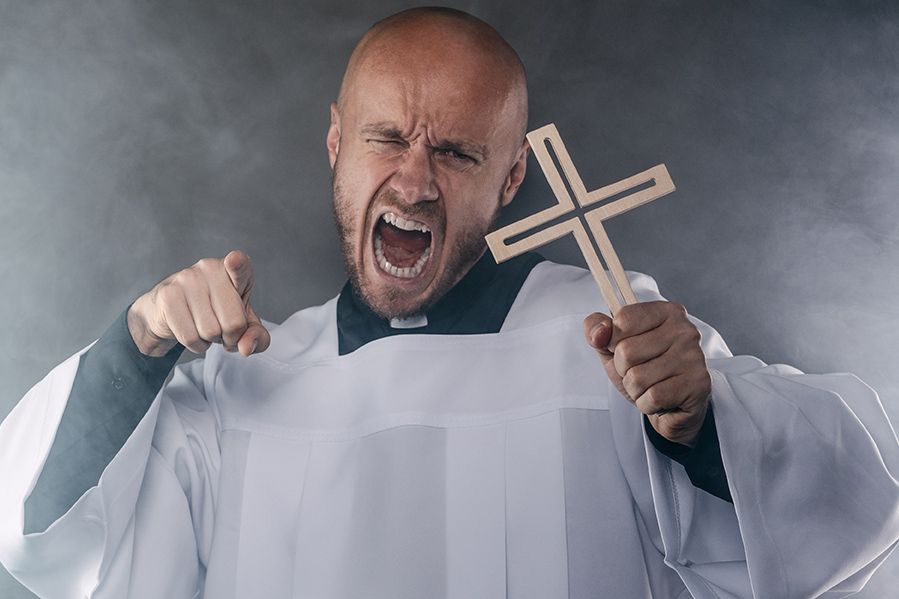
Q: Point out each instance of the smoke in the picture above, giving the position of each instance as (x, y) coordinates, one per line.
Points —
(138, 137)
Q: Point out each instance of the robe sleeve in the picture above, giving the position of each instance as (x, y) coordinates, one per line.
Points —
(812, 463)
(113, 389)
(702, 461)
(151, 509)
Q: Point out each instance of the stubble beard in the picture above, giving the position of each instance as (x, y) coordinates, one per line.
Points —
(392, 302)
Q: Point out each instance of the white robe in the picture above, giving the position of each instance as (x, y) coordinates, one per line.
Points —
(459, 466)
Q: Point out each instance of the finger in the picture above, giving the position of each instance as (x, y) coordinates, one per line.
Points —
(638, 379)
(598, 330)
(664, 396)
(180, 320)
(635, 319)
(256, 339)
(229, 311)
(681, 426)
(205, 319)
(237, 265)
(641, 348)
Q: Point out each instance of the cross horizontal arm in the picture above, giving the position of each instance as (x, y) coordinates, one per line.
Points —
(662, 185)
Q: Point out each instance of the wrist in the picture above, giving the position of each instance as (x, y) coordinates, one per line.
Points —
(146, 341)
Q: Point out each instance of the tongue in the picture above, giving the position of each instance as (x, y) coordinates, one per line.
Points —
(402, 248)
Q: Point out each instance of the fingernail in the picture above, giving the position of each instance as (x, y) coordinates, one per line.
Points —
(255, 344)
(596, 330)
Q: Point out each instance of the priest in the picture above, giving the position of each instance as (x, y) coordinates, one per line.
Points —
(444, 427)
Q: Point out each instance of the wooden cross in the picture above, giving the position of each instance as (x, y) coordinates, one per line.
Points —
(571, 211)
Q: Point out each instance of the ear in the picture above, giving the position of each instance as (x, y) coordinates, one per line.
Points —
(333, 138)
(516, 174)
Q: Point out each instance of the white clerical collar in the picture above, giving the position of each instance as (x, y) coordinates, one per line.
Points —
(412, 322)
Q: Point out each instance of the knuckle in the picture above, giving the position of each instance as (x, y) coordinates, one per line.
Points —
(625, 350)
(635, 378)
(689, 337)
(611, 371)
(623, 318)
(204, 264)
(189, 341)
(233, 326)
(695, 357)
(650, 401)
(201, 346)
(677, 309)
(694, 336)
(183, 278)
(194, 343)
(209, 331)
(167, 294)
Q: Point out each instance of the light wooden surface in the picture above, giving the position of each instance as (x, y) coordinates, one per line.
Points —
(536, 230)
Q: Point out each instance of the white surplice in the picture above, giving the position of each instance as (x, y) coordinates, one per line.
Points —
(459, 466)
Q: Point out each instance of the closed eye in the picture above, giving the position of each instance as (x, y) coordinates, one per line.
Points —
(455, 155)
(396, 142)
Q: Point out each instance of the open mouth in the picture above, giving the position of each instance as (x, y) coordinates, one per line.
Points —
(402, 246)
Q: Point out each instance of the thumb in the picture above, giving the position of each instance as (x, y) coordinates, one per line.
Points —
(237, 265)
(598, 330)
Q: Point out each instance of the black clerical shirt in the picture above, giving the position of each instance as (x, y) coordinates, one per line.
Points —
(115, 384)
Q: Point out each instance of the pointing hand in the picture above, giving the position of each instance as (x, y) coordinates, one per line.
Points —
(206, 303)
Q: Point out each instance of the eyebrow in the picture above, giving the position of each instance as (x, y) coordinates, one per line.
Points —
(464, 146)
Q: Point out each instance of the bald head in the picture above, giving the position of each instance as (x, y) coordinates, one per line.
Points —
(442, 41)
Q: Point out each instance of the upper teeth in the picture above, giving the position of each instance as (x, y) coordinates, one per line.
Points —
(407, 225)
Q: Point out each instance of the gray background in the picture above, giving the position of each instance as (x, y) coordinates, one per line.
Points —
(137, 137)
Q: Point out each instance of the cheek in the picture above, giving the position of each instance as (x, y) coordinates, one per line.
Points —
(354, 188)
(474, 207)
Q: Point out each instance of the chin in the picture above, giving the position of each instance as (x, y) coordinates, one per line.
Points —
(391, 297)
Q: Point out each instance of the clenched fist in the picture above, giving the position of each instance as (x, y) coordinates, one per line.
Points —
(198, 306)
(651, 353)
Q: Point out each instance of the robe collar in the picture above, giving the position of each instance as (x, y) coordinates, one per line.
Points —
(477, 304)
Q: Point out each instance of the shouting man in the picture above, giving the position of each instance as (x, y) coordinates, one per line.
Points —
(444, 427)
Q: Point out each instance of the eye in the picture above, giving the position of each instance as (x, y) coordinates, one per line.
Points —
(455, 155)
(385, 142)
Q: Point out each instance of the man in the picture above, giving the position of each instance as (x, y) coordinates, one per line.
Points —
(442, 428)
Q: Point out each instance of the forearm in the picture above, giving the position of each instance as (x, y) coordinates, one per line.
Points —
(113, 388)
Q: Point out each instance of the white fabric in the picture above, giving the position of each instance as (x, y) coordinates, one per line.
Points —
(496, 465)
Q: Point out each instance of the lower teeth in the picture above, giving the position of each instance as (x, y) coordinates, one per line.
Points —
(409, 272)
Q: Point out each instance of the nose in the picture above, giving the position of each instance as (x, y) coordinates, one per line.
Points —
(414, 179)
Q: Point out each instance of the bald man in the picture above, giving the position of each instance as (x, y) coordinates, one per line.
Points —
(441, 428)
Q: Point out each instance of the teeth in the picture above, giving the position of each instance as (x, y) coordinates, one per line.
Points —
(410, 272)
(407, 225)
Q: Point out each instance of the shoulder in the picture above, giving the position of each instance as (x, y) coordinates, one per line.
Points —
(554, 290)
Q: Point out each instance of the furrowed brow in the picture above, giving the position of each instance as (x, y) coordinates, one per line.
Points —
(391, 131)
(385, 130)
